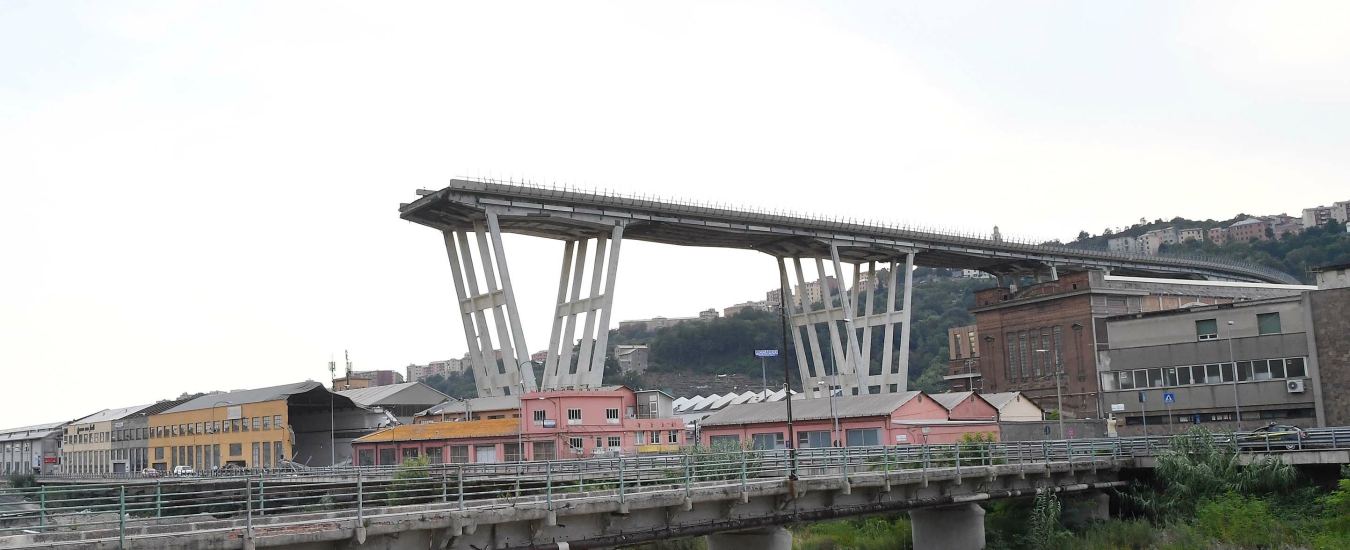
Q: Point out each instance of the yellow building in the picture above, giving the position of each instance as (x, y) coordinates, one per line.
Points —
(245, 428)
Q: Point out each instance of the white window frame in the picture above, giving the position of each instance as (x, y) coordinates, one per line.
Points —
(573, 416)
(611, 416)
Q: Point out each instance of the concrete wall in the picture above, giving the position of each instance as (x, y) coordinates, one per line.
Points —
(1331, 321)
(1157, 330)
(1035, 431)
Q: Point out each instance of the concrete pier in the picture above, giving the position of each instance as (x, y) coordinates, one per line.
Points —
(951, 528)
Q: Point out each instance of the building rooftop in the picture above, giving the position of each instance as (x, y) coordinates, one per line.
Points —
(36, 431)
(1205, 307)
(111, 414)
(1001, 399)
(1333, 267)
(951, 400)
(408, 393)
(259, 395)
(446, 430)
(476, 404)
(811, 409)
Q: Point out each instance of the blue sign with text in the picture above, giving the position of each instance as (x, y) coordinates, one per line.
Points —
(766, 353)
(1169, 398)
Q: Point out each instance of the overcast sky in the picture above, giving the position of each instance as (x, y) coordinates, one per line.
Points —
(203, 196)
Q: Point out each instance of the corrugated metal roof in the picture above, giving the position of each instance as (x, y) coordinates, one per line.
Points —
(477, 404)
(387, 395)
(160, 407)
(110, 414)
(446, 430)
(724, 400)
(259, 395)
(37, 431)
(35, 427)
(707, 402)
(811, 409)
(951, 400)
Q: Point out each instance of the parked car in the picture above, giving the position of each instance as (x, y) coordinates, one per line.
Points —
(183, 471)
(1273, 435)
(150, 472)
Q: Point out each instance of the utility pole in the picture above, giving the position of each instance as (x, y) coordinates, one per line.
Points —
(332, 412)
(1237, 408)
(783, 304)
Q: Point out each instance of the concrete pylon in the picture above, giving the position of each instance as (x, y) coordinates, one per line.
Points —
(769, 538)
(951, 528)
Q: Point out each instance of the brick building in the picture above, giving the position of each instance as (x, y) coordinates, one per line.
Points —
(1066, 318)
(1248, 229)
(963, 356)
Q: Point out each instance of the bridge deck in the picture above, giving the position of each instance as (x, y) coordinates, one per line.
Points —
(572, 214)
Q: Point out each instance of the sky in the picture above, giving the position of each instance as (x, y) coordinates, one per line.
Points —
(200, 196)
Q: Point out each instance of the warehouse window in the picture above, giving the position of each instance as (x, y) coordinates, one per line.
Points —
(1207, 329)
(1268, 323)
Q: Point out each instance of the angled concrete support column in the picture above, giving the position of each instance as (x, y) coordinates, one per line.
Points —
(559, 372)
(852, 372)
(770, 538)
(952, 528)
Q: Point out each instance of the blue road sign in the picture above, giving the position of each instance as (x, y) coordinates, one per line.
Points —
(1141, 397)
(1169, 398)
(1197, 419)
(766, 353)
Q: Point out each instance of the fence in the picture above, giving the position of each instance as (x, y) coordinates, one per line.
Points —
(117, 508)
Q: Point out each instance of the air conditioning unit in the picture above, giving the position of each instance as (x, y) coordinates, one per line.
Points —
(1294, 386)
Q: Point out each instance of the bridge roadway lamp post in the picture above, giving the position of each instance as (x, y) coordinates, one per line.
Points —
(214, 458)
(1059, 399)
(764, 355)
(834, 432)
(1237, 408)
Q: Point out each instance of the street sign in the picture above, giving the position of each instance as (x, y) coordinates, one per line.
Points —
(1141, 397)
(1070, 432)
(1169, 398)
(766, 353)
(1047, 429)
(1117, 407)
(1197, 419)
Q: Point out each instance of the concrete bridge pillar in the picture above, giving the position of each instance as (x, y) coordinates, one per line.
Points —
(1087, 507)
(952, 528)
(770, 538)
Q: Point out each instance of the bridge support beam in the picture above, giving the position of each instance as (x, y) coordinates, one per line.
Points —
(771, 538)
(952, 528)
(845, 362)
(493, 376)
(559, 373)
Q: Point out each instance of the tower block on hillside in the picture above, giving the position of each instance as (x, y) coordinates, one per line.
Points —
(851, 369)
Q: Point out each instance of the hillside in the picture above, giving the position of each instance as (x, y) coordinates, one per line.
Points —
(726, 345)
(1294, 253)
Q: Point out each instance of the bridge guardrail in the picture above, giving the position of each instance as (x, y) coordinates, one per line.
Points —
(115, 508)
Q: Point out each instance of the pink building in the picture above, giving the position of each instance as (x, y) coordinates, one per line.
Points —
(966, 406)
(881, 419)
(556, 425)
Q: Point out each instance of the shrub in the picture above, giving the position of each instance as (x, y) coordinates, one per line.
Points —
(1240, 521)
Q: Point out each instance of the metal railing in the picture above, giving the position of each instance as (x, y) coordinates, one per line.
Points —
(122, 511)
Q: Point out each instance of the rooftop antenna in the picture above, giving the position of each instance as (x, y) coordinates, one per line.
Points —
(332, 372)
(348, 384)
